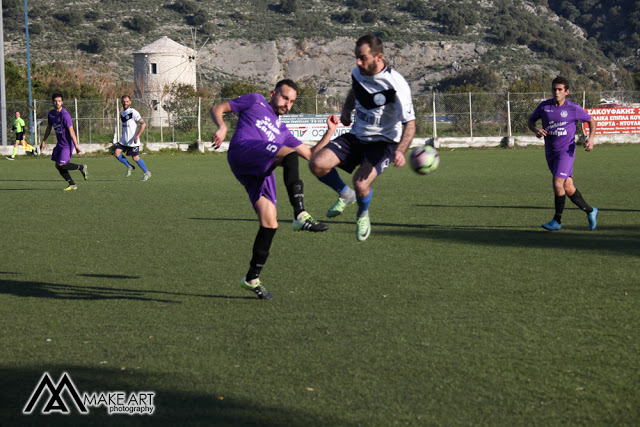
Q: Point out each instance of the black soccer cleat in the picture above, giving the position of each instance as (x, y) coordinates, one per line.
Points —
(259, 290)
(309, 223)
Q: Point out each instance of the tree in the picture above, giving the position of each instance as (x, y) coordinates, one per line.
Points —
(288, 6)
(72, 18)
(142, 24)
(96, 45)
(237, 88)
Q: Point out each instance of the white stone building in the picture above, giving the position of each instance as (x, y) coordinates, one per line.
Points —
(157, 67)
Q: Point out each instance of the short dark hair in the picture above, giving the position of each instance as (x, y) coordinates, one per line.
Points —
(57, 95)
(287, 82)
(374, 42)
(560, 81)
(125, 96)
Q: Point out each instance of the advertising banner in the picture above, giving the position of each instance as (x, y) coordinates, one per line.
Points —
(310, 127)
(611, 121)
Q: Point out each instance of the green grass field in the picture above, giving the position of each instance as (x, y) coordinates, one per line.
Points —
(459, 309)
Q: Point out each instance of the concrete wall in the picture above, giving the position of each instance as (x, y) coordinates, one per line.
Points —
(452, 142)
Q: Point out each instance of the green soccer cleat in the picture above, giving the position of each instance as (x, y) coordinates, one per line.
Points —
(259, 290)
(129, 170)
(363, 228)
(146, 176)
(308, 223)
(85, 172)
(339, 206)
(71, 188)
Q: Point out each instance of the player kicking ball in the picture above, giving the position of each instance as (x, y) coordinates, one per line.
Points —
(130, 140)
(260, 143)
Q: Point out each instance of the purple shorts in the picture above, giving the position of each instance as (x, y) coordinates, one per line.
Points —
(352, 152)
(252, 164)
(560, 165)
(61, 154)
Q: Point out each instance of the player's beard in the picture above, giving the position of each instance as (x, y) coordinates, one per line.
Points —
(368, 71)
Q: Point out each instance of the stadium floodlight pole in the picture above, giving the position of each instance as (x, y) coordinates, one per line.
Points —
(26, 31)
(3, 92)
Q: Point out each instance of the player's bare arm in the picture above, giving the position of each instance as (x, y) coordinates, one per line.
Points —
(347, 108)
(141, 127)
(72, 133)
(332, 124)
(533, 128)
(588, 146)
(44, 138)
(408, 132)
(217, 113)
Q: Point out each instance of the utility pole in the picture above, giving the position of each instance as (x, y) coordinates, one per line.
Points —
(3, 92)
(31, 109)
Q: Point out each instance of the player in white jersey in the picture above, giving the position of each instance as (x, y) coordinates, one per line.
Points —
(130, 139)
(382, 132)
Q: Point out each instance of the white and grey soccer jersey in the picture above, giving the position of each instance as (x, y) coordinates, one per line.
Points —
(383, 104)
(129, 118)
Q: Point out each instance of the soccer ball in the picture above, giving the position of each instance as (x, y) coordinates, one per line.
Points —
(424, 160)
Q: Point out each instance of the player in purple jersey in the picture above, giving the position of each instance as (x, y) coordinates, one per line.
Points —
(559, 116)
(60, 120)
(260, 143)
(383, 129)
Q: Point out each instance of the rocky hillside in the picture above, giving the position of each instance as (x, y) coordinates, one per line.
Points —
(312, 41)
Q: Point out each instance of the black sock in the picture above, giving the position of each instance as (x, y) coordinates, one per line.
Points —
(577, 200)
(65, 174)
(559, 202)
(71, 167)
(261, 247)
(295, 187)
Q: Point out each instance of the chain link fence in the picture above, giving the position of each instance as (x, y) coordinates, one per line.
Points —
(188, 119)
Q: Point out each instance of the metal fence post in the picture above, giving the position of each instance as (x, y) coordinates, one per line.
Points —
(509, 114)
(435, 131)
(470, 117)
(75, 100)
(199, 128)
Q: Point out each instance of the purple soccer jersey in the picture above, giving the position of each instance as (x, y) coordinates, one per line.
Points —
(61, 122)
(560, 124)
(254, 145)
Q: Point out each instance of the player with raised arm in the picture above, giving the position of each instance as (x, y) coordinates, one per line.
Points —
(130, 139)
(260, 143)
(59, 120)
(559, 116)
(383, 129)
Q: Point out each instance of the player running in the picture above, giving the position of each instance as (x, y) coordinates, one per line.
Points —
(18, 127)
(260, 143)
(559, 116)
(130, 139)
(60, 121)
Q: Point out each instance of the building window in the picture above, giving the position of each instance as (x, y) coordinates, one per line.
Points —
(154, 104)
(154, 68)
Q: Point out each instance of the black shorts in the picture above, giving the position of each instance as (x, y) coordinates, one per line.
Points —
(128, 151)
(352, 152)
(19, 136)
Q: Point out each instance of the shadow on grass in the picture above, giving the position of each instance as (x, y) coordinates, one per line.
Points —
(626, 244)
(227, 219)
(173, 406)
(109, 276)
(73, 292)
(28, 189)
(549, 208)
